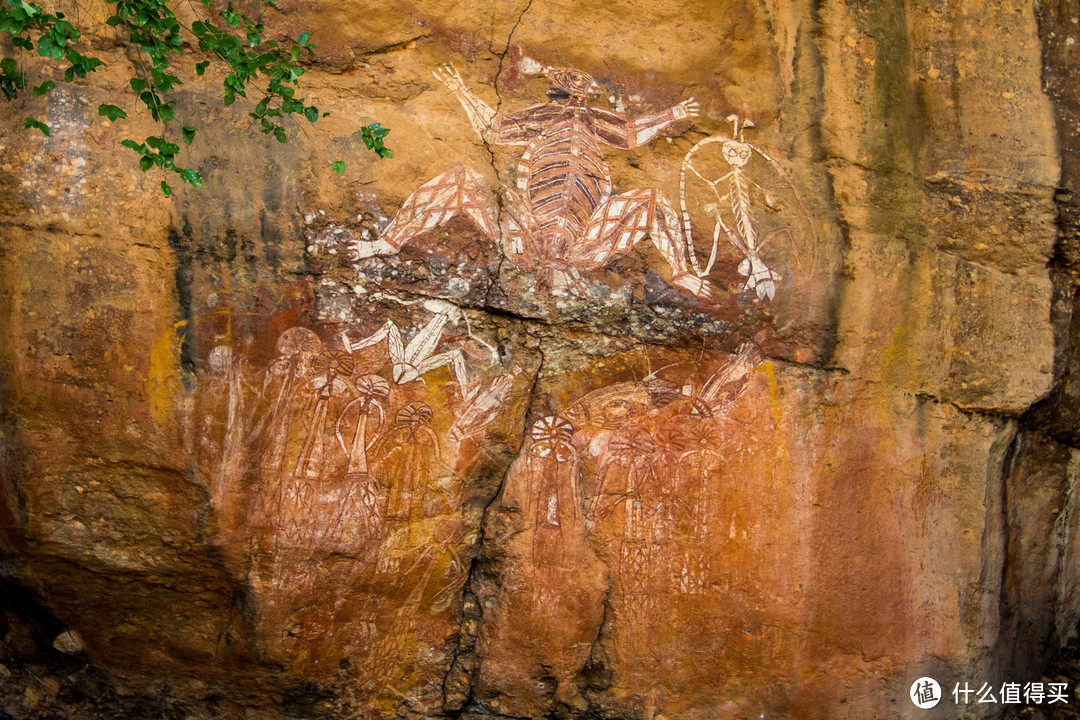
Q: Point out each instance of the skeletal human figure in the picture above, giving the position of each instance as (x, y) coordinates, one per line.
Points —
(561, 218)
(632, 475)
(411, 362)
(296, 348)
(361, 496)
(712, 401)
(552, 497)
(744, 235)
(329, 369)
(225, 379)
(370, 389)
(407, 456)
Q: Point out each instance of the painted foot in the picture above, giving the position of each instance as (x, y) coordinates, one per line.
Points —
(759, 278)
(694, 284)
(370, 248)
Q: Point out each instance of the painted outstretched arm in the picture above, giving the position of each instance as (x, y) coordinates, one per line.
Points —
(494, 127)
(481, 115)
(627, 134)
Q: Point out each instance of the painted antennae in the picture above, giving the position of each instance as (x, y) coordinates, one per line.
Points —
(469, 332)
(747, 124)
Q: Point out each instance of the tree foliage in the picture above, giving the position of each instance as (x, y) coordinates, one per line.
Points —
(268, 68)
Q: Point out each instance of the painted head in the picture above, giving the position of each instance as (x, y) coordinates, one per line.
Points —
(736, 153)
(574, 82)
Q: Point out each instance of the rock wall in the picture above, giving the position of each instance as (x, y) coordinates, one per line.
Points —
(732, 375)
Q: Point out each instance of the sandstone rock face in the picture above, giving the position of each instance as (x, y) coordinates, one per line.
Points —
(731, 374)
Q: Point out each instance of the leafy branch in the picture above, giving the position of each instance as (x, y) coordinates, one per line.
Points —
(228, 36)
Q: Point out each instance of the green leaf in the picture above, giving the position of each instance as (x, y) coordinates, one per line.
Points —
(191, 177)
(311, 113)
(338, 166)
(48, 47)
(44, 88)
(137, 84)
(166, 112)
(136, 146)
(188, 133)
(303, 38)
(373, 135)
(166, 190)
(111, 111)
(162, 145)
(33, 123)
(45, 46)
(279, 133)
(146, 162)
(200, 68)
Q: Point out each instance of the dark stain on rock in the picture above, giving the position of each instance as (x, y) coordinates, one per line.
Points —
(181, 242)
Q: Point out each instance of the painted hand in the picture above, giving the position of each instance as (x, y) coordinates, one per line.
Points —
(687, 108)
(449, 76)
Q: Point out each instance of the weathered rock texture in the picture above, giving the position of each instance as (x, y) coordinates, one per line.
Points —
(528, 465)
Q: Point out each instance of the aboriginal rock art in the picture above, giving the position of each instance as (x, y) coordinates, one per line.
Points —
(631, 471)
(561, 218)
(417, 358)
(337, 466)
(648, 445)
(734, 214)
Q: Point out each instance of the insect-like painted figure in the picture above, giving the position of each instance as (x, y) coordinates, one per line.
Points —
(733, 190)
(411, 362)
(479, 413)
(610, 407)
(720, 391)
(561, 217)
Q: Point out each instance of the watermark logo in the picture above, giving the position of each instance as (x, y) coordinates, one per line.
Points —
(925, 693)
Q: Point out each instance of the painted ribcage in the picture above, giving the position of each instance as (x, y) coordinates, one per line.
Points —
(564, 177)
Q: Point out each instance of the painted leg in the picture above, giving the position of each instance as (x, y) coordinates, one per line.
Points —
(457, 191)
(456, 360)
(624, 220)
(394, 346)
(519, 230)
